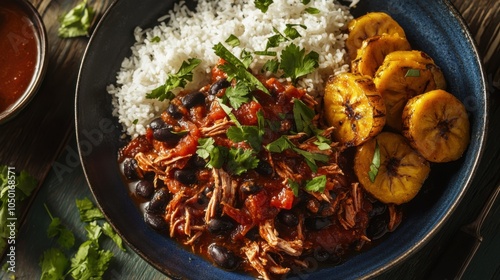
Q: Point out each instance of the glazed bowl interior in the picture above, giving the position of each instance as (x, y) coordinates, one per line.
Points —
(431, 26)
(33, 21)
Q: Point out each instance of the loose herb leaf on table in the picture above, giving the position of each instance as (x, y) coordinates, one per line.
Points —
(77, 21)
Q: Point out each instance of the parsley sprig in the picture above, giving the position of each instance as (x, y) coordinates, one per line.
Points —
(177, 80)
(90, 261)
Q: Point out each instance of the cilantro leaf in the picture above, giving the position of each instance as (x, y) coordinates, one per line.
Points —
(235, 68)
(216, 155)
(294, 186)
(283, 143)
(241, 160)
(66, 237)
(53, 264)
(108, 230)
(246, 133)
(88, 212)
(303, 116)
(77, 21)
(375, 165)
(89, 262)
(295, 63)
(312, 10)
(317, 184)
(291, 32)
(94, 231)
(155, 39)
(237, 95)
(233, 41)
(271, 65)
(263, 5)
(275, 40)
(179, 79)
(412, 73)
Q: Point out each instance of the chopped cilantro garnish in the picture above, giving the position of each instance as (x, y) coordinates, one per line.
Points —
(233, 41)
(53, 264)
(303, 117)
(237, 95)
(283, 143)
(180, 79)
(66, 238)
(291, 32)
(215, 154)
(246, 133)
(155, 39)
(295, 63)
(312, 10)
(77, 21)
(108, 230)
(88, 212)
(263, 5)
(275, 40)
(235, 68)
(317, 184)
(241, 160)
(271, 65)
(305, 2)
(412, 73)
(375, 165)
(90, 262)
(294, 186)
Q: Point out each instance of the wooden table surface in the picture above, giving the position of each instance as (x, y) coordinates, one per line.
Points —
(41, 141)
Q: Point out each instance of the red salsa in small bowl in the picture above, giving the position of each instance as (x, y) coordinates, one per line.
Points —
(22, 55)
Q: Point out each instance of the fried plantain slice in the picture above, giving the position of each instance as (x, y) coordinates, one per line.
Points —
(354, 107)
(437, 125)
(403, 75)
(369, 25)
(401, 173)
(373, 51)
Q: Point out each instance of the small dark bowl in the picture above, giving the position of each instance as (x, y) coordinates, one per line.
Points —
(432, 26)
(35, 20)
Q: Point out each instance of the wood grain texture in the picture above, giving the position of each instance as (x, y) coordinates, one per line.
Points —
(34, 139)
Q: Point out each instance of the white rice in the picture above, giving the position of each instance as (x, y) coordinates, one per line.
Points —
(186, 34)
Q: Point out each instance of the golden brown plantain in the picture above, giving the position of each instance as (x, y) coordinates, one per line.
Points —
(437, 125)
(373, 51)
(354, 107)
(367, 26)
(403, 75)
(401, 173)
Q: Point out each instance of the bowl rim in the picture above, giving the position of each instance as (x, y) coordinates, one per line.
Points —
(40, 33)
(415, 247)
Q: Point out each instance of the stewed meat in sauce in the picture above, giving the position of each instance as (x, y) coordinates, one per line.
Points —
(251, 188)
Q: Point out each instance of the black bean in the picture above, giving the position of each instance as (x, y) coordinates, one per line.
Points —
(156, 123)
(165, 134)
(220, 226)
(264, 168)
(379, 208)
(131, 169)
(377, 227)
(144, 189)
(158, 202)
(156, 222)
(192, 99)
(185, 176)
(174, 111)
(223, 257)
(218, 85)
(317, 223)
(197, 161)
(288, 218)
(249, 187)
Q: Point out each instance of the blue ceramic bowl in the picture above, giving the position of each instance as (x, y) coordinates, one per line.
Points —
(432, 26)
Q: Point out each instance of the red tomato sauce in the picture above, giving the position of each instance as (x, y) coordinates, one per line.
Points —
(18, 53)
